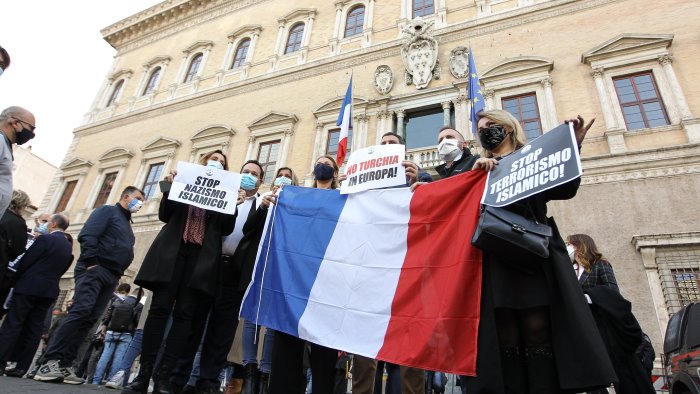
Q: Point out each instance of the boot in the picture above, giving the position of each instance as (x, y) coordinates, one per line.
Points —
(234, 386)
(541, 369)
(251, 379)
(163, 385)
(513, 367)
(263, 381)
(141, 381)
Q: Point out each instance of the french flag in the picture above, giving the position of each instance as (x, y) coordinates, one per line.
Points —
(387, 274)
(345, 123)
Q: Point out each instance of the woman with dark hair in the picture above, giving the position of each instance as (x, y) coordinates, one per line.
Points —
(617, 325)
(592, 269)
(532, 310)
(288, 354)
(181, 268)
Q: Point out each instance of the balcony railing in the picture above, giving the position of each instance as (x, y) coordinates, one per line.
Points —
(426, 157)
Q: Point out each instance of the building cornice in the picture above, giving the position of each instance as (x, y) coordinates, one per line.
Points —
(666, 240)
(452, 33)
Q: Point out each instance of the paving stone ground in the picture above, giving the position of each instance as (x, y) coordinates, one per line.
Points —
(30, 386)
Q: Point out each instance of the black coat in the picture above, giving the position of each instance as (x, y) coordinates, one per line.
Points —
(157, 266)
(247, 249)
(40, 270)
(13, 239)
(622, 335)
(582, 362)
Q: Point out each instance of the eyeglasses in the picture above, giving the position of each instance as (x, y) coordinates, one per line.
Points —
(31, 126)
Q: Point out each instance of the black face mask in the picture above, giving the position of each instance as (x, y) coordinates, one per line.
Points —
(23, 136)
(491, 137)
(323, 172)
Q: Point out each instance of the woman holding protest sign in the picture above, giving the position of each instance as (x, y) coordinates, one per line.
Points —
(288, 354)
(532, 308)
(181, 269)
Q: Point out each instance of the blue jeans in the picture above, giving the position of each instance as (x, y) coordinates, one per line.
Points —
(116, 344)
(130, 355)
(250, 348)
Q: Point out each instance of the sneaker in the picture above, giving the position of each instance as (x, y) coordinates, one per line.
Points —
(50, 371)
(116, 381)
(70, 377)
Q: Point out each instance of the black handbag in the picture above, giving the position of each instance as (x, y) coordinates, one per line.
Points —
(511, 236)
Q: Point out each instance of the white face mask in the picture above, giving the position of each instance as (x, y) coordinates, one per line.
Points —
(571, 249)
(449, 149)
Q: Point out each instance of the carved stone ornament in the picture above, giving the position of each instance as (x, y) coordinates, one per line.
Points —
(459, 62)
(383, 79)
(419, 53)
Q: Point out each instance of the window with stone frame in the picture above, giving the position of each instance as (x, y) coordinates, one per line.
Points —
(355, 21)
(193, 69)
(421, 126)
(640, 101)
(423, 7)
(150, 185)
(296, 34)
(524, 108)
(679, 273)
(116, 92)
(105, 189)
(332, 142)
(268, 153)
(241, 53)
(66, 195)
(152, 81)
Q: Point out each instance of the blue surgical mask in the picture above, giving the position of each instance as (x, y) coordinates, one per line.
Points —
(215, 164)
(283, 180)
(249, 182)
(134, 205)
(43, 228)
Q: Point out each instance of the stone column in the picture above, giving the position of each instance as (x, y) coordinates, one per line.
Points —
(251, 48)
(285, 148)
(307, 31)
(280, 37)
(446, 112)
(143, 81)
(382, 117)
(400, 114)
(550, 105)
(359, 140)
(317, 141)
(488, 98)
(338, 19)
(461, 116)
(682, 105)
(251, 146)
(203, 64)
(182, 70)
(608, 115)
(228, 57)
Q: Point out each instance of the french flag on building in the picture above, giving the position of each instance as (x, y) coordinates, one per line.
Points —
(386, 274)
(345, 123)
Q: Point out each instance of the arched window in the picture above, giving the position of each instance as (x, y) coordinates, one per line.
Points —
(152, 81)
(194, 67)
(241, 53)
(294, 41)
(115, 93)
(354, 21)
(423, 7)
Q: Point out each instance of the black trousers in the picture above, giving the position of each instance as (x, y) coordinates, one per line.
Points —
(287, 376)
(178, 298)
(21, 331)
(93, 290)
(223, 322)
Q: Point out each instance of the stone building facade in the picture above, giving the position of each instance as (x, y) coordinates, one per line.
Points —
(265, 78)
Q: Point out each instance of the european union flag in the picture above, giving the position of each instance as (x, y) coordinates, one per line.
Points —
(475, 96)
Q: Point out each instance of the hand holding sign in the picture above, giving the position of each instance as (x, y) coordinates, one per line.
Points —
(205, 187)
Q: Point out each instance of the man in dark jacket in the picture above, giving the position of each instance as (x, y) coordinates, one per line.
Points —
(453, 149)
(106, 250)
(38, 276)
(13, 238)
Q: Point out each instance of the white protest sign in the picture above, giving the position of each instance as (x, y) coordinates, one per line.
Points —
(205, 187)
(375, 167)
(545, 162)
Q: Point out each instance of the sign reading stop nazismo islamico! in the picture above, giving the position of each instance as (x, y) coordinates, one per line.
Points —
(205, 187)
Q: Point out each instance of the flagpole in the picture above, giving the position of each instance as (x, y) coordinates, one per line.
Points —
(352, 103)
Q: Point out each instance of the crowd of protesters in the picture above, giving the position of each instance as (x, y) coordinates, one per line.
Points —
(536, 334)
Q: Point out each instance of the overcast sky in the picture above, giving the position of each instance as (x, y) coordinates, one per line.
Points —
(59, 60)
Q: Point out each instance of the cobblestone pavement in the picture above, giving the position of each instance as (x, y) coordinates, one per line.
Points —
(30, 386)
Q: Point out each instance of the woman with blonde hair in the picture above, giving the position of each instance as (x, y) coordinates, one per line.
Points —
(532, 309)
